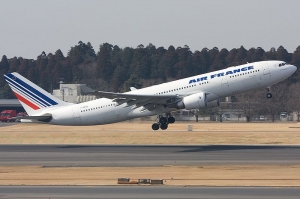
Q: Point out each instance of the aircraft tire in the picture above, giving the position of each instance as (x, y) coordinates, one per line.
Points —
(155, 126)
(163, 120)
(171, 120)
(269, 95)
(163, 126)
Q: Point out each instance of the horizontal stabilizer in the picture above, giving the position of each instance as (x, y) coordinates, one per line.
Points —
(43, 118)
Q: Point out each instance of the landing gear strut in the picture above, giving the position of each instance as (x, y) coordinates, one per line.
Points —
(163, 122)
(269, 94)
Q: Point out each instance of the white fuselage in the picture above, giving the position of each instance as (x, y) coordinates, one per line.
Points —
(217, 84)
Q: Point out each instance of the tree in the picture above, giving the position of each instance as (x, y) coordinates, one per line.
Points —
(270, 55)
(231, 56)
(157, 56)
(296, 62)
(4, 67)
(250, 55)
(167, 63)
(133, 81)
(220, 60)
(104, 67)
(4, 64)
(240, 57)
(14, 64)
(283, 55)
(205, 60)
(118, 78)
(126, 60)
(58, 70)
(24, 67)
(141, 63)
(213, 53)
(258, 55)
(81, 53)
(41, 64)
(184, 65)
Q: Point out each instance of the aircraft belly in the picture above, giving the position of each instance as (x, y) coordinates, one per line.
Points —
(250, 83)
(116, 114)
(141, 112)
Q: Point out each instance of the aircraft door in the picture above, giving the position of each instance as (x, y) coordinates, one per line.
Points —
(224, 85)
(118, 114)
(266, 68)
(76, 116)
(224, 80)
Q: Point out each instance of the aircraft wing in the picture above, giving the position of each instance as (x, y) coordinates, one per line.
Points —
(145, 100)
(112, 95)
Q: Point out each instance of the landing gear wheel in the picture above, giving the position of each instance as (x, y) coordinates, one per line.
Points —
(269, 95)
(163, 120)
(171, 120)
(155, 126)
(163, 126)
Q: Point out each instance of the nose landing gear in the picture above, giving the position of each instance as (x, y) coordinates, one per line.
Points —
(163, 122)
(269, 94)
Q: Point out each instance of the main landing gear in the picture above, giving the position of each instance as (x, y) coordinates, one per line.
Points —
(163, 122)
(269, 94)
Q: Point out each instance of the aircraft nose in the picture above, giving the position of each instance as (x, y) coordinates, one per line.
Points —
(294, 68)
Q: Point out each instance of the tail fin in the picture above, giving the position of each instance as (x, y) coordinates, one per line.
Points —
(33, 98)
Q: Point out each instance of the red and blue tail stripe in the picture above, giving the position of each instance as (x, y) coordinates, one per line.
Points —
(27, 94)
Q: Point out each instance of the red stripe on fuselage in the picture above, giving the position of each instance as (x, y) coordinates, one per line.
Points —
(25, 101)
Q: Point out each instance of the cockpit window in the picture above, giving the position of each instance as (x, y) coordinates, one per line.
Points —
(282, 64)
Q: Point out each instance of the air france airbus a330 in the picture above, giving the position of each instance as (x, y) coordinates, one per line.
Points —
(195, 92)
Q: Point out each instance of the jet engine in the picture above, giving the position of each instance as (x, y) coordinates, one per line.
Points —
(213, 104)
(197, 100)
(193, 101)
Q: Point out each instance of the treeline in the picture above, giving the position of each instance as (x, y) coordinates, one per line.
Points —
(116, 69)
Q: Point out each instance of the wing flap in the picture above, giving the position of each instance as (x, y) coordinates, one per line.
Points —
(112, 95)
(138, 100)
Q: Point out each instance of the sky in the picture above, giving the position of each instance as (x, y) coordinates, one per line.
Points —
(28, 27)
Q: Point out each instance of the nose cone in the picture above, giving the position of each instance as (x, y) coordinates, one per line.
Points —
(294, 68)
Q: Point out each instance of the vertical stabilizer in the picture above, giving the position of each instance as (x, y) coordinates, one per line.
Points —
(33, 98)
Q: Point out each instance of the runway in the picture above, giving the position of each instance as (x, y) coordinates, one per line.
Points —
(154, 155)
(121, 192)
(150, 155)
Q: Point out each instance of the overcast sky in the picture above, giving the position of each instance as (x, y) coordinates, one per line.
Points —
(28, 27)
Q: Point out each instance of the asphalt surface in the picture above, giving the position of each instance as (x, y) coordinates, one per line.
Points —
(156, 155)
(2, 124)
(172, 192)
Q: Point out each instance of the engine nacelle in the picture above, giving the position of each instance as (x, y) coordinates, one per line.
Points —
(213, 104)
(194, 101)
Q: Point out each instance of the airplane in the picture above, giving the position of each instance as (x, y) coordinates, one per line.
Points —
(200, 91)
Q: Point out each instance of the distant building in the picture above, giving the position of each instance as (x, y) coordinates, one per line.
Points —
(73, 93)
(11, 104)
